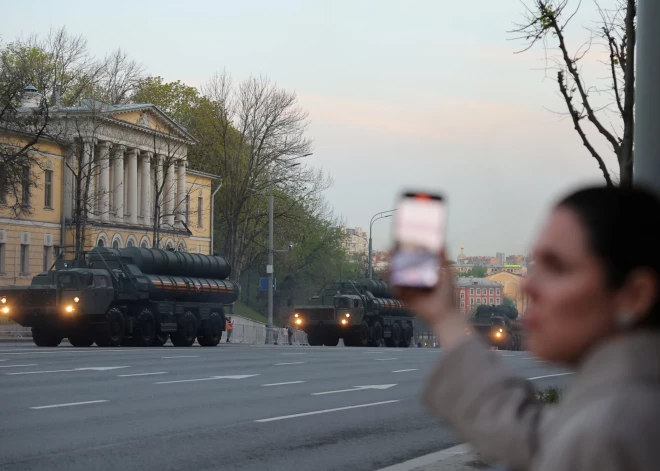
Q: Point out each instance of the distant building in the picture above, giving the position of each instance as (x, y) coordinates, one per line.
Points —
(472, 292)
(512, 284)
(356, 242)
(381, 261)
(500, 257)
(516, 260)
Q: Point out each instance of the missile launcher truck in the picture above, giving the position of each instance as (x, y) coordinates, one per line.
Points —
(132, 296)
(361, 312)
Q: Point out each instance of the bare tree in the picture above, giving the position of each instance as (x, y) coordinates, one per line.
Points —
(546, 22)
(258, 132)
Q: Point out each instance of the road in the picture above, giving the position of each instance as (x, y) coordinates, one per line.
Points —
(230, 407)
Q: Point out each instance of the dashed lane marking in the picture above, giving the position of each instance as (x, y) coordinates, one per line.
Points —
(282, 384)
(181, 356)
(291, 363)
(143, 374)
(404, 371)
(17, 366)
(70, 404)
(385, 359)
(325, 411)
(548, 376)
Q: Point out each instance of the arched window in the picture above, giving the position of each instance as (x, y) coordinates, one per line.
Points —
(102, 240)
(181, 247)
(115, 244)
(117, 241)
(100, 243)
(131, 241)
(144, 245)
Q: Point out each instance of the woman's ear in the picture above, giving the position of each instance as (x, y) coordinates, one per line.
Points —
(639, 294)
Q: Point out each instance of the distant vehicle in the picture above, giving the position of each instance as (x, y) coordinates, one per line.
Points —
(498, 326)
(362, 313)
(132, 296)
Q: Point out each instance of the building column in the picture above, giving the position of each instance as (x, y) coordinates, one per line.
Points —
(68, 186)
(169, 194)
(104, 180)
(647, 139)
(131, 189)
(118, 182)
(145, 198)
(159, 187)
(181, 193)
(87, 172)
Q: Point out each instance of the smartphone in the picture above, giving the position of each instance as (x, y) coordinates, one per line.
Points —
(419, 237)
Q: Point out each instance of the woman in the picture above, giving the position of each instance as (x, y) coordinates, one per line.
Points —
(594, 307)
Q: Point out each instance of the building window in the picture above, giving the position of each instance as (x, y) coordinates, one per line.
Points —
(130, 243)
(462, 294)
(48, 189)
(497, 301)
(478, 300)
(478, 290)
(200, 202)
(187, 215)
(100, 243)
(492, 291)
(144, 245)
(491, 300)
(471, 301)
(25, 195)
(48, 257)
(471, 290)
(498, 291)
(115, 244)
(25, 259)
(462, 304)
(2, 257)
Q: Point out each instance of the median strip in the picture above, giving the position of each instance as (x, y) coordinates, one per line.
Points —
(325, 411)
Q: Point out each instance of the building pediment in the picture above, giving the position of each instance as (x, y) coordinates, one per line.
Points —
(149, 117)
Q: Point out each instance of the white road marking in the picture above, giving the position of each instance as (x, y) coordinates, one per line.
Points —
(4, 360)
(403, 371)
(16, 366)
(375, 352)
(357, 388)
(294, 354)
(70, 404)
(98, 368)
(325, 411)
(207, 379)
(548, 376)
(432, 458)
(385, 359)
(143, 374)
(540, 361)
(507, 355)
(182, 356)
(282, 384)
(291, 363)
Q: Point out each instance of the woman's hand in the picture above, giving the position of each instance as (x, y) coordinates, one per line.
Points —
(438, 308)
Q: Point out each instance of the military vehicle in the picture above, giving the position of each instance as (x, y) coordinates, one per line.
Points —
(361, 312)
(132, 296)
(498, 326)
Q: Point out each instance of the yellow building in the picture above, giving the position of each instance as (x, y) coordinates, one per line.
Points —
(512, 284)
(133, 159)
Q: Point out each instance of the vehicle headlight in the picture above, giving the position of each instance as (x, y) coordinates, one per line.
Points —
(296, 315)
(298, 321)
(3, 300)
(343, 321)
(76, 299)
(348, 315)
(5, 310)
(501, 330)
(499, 334)
(69, 309)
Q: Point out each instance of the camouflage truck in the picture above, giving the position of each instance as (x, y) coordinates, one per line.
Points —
(498, 326)
(362, 313)
(132, 296)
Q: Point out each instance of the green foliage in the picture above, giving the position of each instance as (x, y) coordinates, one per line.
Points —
(475, 272)
(550, 395)
(176, 99)
(509, 302)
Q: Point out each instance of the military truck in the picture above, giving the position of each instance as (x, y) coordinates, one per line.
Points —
(361, 312)
(132, 296)
(498, 326)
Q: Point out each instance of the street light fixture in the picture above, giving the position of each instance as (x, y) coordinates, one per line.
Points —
(374, 218)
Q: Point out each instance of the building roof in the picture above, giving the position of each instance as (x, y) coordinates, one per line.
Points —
(467, 282)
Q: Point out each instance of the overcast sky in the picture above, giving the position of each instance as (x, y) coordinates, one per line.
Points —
(401, 94)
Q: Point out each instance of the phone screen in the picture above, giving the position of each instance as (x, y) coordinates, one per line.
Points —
(419, 229)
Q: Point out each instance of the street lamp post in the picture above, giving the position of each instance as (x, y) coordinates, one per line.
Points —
(375, 218)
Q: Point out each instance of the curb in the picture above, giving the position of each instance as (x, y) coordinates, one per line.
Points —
(456, 458)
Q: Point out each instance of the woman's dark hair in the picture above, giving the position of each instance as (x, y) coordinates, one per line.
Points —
(623, 231)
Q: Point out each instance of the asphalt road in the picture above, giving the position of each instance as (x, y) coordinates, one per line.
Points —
(230, 407)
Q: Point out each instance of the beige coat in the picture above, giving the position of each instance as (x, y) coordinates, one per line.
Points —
(608, 419)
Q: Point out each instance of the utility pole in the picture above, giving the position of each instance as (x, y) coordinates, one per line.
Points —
(646, 168)
(375, 218)
(269, 267)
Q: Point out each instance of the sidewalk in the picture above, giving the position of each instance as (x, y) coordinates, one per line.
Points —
(457, 458)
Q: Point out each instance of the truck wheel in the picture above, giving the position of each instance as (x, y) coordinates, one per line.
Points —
(187, 331)
(111, 332)
(406, 338)
(84, 338)
(145, 329)
(160, 339)
(314, 339)
(376, 334)
(331, 340)
(212, 331)
(365, 334)
(45, 338)
(395, 338)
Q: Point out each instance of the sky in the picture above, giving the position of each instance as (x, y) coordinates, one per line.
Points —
(401, 95)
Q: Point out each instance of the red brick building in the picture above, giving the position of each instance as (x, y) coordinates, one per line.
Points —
(472, 292)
